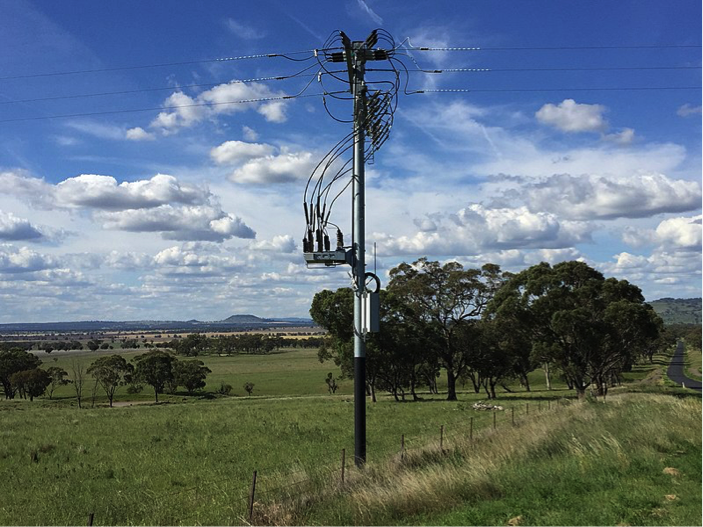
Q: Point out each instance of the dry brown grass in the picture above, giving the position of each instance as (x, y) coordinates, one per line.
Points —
(428, 481)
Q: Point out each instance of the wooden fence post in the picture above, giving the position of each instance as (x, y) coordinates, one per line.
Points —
(402, 447)
(91, 517)
(527, 408)
(441, 438)
(471, 429)
(549, 404)
(494, 419)
(539, 406)
(251, 496)
(512, 415)
(344, 462)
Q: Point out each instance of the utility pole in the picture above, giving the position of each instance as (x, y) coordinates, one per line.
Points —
(368, 117)
(357, 70)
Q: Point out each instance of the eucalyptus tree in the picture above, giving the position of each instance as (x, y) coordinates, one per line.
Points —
(111, 372)
(593, 328)
(443, 298)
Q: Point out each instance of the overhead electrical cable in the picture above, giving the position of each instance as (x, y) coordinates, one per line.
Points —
(604, 68)
(498, 90)
(167, 88)
(167, 64)
(161, 108)
(548, 48)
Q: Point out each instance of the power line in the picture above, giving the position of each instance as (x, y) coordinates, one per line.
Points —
(549, 48)
(167, 88)
(490, 90)
(166, 64)
(607, 68)
(136, 110)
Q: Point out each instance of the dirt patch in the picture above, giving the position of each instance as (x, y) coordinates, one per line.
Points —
(656, 377)
(123, 404)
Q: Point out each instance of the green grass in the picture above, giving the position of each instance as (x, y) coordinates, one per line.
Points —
(187, 463)
(588, 464)
(190, 460)
(693, 363)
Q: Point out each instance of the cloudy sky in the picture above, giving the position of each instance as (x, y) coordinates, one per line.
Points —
(191, 207)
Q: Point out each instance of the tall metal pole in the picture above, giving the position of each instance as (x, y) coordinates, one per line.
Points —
(359, 92)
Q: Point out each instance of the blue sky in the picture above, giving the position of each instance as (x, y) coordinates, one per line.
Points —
(195, 211)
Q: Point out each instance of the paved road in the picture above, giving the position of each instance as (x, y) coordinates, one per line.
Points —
(677, 368)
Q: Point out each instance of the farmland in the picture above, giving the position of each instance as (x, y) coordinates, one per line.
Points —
(189, 460)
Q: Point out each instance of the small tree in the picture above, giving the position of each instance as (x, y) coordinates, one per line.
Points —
(31, 382)
(111, 372)
(155, 368)
(13, 361)
(249, 387)
(224, 389)
(78, 379)
(190, 374)
(331, 383)
(57, 379)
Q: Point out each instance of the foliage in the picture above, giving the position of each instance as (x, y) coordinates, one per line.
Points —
(190, 374)
(13, 361)
(593, 328)
(224, 389)
(111, 372)
(57, 376)
(331, 383)
(443, 298)
(32, 383)
(155, 368)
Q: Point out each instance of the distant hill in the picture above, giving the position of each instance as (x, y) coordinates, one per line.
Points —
(244, 319)
(678, 310)
(235, 322)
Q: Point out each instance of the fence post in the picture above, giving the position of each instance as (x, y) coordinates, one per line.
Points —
(441, 438)
(344, 462)
(494, 419)
(539, 406)
(527, 408)
(251, 496)
(549, 404)
(471, 429)
(91, 516)
(402, 447)
(512, 415)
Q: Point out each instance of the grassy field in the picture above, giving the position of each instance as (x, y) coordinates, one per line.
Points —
(693, 363)
(635, 460)
(289, 372)
(190, 460)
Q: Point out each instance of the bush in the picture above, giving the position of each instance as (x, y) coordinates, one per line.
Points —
(224, 389)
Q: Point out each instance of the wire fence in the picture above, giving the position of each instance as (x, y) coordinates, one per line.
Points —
(296, 479)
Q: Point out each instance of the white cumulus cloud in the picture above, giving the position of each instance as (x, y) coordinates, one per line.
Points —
(232, 152)
(13, 228)
(139, 134)
(570, 116)
(590, 196)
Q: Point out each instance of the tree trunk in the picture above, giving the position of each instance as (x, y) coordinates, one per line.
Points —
(580, 391)
(526, 382)
(156, 395)
(493, 390)
(547, 376)
(451, 386)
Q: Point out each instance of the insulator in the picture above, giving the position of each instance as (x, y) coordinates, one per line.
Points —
(327, 243)
(305, 246)
(310, 241)
(318, 238)
(340, 238)
(307, 216)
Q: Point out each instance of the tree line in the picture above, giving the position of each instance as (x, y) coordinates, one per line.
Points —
(21, 375)
(491, 328)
